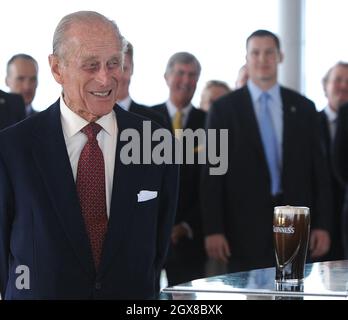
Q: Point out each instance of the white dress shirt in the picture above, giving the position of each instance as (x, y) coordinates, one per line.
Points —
(125, 103)
(75, 140)
(276, 109)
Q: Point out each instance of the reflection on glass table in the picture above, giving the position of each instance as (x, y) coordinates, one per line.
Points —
(323, 280)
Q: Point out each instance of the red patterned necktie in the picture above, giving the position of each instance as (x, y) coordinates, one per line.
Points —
(90, 184)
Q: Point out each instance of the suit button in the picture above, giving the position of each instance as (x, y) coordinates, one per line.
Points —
(97, 285)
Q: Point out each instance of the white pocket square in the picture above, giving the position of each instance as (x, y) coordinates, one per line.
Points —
(145, 195)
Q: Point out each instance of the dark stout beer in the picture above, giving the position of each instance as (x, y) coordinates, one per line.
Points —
(290, 234)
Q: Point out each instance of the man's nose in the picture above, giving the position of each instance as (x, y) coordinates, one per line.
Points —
(262, 57)
(103, 76)
(187, 78)
(27, 84)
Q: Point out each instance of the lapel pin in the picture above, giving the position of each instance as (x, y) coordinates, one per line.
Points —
(2, 100)
(293, 109)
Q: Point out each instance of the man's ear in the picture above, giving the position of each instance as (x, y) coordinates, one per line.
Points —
(166, 77)
(281, 56)
(56, 66)
(325, 91)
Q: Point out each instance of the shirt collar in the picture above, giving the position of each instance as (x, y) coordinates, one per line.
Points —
(172, 109)
(256, 92)
(125, 103)
(331, 114)
(72, 123)
(28, 109)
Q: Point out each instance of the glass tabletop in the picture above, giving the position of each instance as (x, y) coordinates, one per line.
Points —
(323, 280)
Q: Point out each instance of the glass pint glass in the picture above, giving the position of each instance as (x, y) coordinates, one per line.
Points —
(290, 234)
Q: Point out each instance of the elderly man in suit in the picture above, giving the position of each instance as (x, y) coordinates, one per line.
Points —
(75, 221)
(11, 109)
(275, 158)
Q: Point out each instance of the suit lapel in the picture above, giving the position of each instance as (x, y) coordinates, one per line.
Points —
(4, 112)
(192, 120)
(51, 157)
(290, 130)
(124, 196)
(325, 131)
(162, 109)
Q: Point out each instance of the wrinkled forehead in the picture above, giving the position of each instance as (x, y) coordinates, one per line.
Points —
(97, 31)
(93, 41)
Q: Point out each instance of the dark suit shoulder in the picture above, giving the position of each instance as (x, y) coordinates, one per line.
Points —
(147, 112)
(10, 97)
(133, 120)
(196, 119)
(14, 100)
(343, 110)
(35, 121)
(322, 114)
(342, 122)
(198, 113)
(138, 105)
(160, 108)
(323, 120)
(12, 109)
(228, 103)
(291, 96)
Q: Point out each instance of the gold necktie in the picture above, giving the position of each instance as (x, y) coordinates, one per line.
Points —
(177, 123)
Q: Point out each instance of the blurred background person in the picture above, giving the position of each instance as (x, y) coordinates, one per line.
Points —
(11, 109)
(22, 78)
(186, 257)
(213, 90)
(340, 161)
(335, 84)
(124, 99)
(242, 77)
(274, 158)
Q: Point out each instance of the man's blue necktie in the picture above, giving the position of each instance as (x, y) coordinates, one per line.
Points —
(269, 141)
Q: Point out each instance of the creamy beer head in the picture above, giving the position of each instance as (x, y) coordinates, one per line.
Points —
(291, 210)
(290, 234)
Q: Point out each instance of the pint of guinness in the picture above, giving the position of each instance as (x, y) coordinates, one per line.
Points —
(290, 233)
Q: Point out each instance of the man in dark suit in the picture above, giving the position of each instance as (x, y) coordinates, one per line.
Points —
(22, 78)
(11, 109)
(75, 221)
(238, 206)
(340, 160)
(335, 84)
(186, 255)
